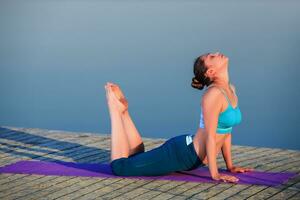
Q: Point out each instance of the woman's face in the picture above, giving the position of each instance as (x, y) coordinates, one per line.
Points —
(214, 59)
(215, 62)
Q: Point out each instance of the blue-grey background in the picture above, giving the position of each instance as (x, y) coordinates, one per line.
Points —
(56, 56)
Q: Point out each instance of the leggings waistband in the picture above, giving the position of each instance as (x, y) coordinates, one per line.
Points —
(192, 151)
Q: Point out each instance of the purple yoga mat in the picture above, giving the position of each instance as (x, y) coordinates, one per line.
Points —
(201, 174)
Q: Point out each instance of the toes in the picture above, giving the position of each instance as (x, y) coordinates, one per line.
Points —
(115, 89)
(110, 83)
(113, 94)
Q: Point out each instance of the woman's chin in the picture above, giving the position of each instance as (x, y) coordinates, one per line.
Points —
(226, 59)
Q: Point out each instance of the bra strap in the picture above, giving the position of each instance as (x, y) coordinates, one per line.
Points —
(225, 95)
(221, 89)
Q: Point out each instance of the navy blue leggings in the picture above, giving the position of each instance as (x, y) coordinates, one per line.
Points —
(175, 154)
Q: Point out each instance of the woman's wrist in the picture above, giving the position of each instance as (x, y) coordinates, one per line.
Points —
(216, 176)
(230, 168)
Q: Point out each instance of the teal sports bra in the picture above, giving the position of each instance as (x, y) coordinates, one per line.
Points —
(227, 119)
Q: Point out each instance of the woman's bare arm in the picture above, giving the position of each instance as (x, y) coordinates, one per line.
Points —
(211, 107)
(226, 151)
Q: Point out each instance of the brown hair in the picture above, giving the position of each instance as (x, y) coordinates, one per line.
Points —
(200, 80)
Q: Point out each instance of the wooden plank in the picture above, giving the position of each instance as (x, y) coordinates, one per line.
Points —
(256, 191)
(43, 158)
(113, 189)
(42, 144)
(295, 196)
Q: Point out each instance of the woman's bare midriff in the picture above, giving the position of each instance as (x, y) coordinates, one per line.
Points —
(199, 144)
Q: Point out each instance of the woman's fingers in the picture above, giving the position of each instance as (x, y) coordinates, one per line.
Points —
(228, 178)
(233, 179)
(244, 169)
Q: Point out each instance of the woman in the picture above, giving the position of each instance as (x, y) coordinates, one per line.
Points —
(219, 113)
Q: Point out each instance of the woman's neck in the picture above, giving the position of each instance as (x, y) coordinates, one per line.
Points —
(222, 82)
(222, 79)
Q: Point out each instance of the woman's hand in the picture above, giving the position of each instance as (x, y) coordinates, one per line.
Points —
(236, 169)
(226, 178)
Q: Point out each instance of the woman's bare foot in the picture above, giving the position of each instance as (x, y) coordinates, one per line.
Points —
(119, 94)
(116, 88)
(113, 101)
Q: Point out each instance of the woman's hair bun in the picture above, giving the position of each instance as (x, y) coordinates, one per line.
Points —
(200, 79)
(196, 84)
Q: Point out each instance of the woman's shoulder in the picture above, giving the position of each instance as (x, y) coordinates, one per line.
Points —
(212, 90)
(211, 94)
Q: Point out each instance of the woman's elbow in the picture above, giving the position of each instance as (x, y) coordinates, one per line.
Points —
(211, 137)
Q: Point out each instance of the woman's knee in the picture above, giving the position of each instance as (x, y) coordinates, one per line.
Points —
(117, 167)
(138, 149)
(123, 167)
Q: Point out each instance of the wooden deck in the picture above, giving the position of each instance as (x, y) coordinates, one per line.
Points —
(41, 144)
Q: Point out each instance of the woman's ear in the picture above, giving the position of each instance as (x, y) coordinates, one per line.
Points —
(210, 72)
